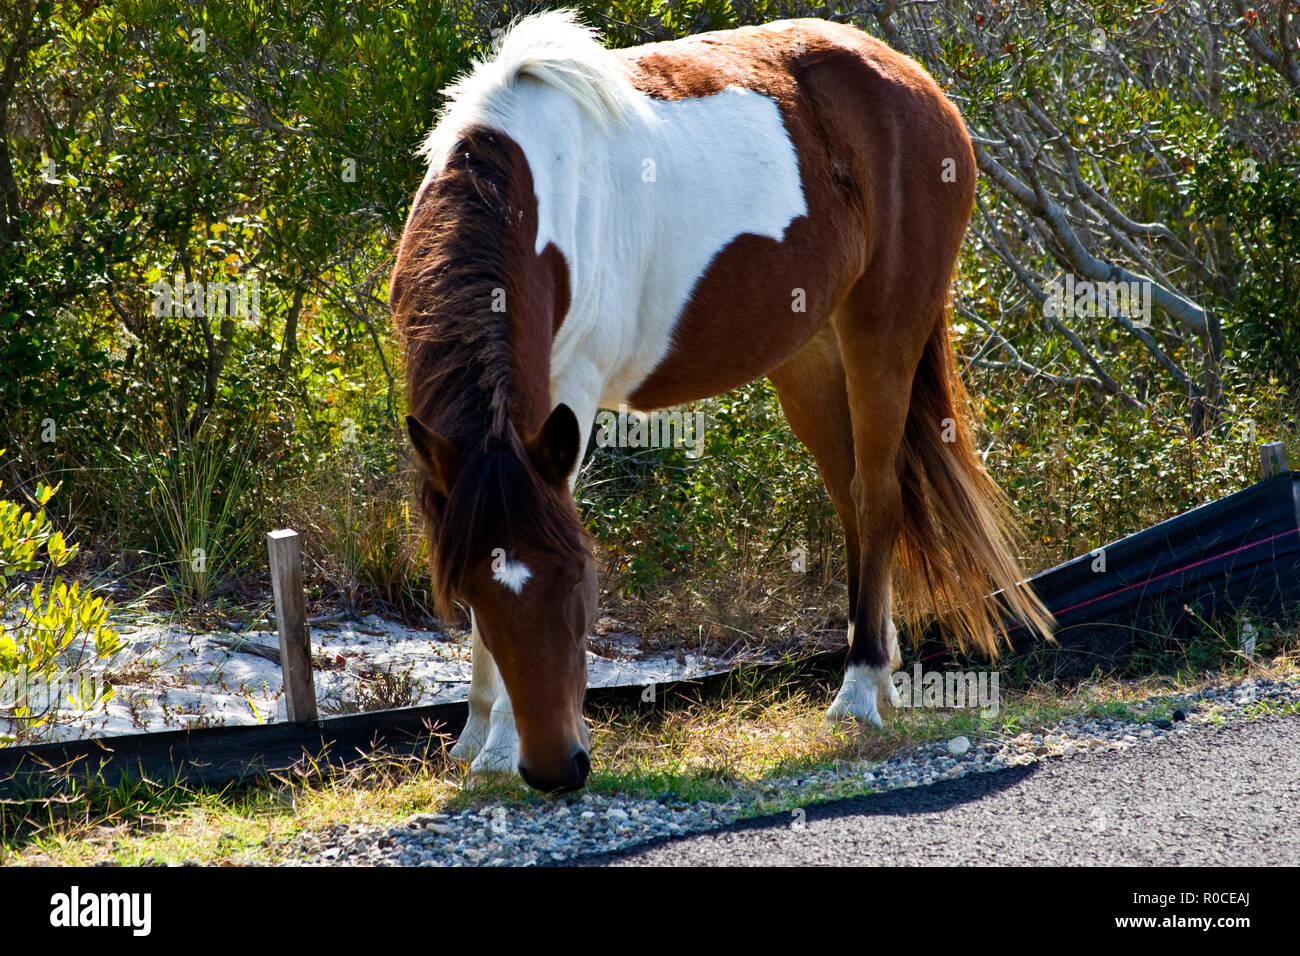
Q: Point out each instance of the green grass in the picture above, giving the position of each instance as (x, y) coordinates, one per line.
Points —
(1271, 708)
(197, 495)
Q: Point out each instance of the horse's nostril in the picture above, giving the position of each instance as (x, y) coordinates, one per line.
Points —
(581, 767)
(535, 782)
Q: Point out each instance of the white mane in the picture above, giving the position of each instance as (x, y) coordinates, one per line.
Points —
(553, 48)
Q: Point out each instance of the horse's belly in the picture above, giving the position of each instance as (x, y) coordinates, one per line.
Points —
(748, 315)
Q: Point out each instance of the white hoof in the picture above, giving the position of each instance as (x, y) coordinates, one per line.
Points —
(500, 752)
(859, 695)
(489, 762)
(469, 742)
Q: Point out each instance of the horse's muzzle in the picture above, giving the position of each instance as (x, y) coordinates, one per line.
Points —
(574, 778)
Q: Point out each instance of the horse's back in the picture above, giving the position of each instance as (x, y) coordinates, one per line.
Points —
(851, 90)
(716, 196)
(867, 125)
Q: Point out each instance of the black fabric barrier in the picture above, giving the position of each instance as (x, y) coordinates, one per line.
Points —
(217, 756)
(1202, 570)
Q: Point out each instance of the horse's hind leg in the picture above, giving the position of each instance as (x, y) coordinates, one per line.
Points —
(881, 350)
(814, 396)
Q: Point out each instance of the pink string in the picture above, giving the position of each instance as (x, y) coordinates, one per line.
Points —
(1186, 567)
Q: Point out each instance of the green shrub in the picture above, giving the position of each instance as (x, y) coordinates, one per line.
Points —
(50, 634)
(189, 439)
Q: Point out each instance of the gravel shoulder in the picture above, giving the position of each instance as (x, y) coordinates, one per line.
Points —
(1228, 796)
(1190, 743)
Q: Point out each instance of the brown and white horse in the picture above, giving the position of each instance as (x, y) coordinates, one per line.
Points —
(658, 225)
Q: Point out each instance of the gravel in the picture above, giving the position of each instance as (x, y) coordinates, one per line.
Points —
(552, 831)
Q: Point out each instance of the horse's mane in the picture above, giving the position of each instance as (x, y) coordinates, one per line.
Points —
(552, 48)
(462, 379)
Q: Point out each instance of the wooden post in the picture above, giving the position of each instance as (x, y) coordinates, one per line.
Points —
(1272, 459)
(291, 617)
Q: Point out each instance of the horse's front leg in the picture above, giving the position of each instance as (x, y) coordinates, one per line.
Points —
(489, 741)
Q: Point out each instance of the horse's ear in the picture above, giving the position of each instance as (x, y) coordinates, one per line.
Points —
(554, 449)
(437, 456)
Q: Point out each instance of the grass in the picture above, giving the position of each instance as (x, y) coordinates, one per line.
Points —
(196, 496)
(729, 748)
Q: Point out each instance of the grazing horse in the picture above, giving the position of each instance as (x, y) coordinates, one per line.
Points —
(655, 226)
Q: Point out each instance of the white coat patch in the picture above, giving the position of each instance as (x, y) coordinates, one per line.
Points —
(649, 191)
(653, 202)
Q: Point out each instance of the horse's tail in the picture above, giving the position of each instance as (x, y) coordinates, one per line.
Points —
(957, 531)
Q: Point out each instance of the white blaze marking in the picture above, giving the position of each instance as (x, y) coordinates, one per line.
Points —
(512, 574)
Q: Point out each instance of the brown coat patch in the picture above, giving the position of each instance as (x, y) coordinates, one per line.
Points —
(848, 102)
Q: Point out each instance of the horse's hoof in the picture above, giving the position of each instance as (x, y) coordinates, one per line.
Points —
(857, 699)
(492, 760)
(465, 747)
(839, 714)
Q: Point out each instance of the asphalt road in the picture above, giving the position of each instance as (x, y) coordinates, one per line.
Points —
(1216, 796)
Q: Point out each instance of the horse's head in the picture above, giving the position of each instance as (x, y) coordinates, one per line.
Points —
(506, 538)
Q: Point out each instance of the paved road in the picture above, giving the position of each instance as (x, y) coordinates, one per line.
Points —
(1217, 796)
